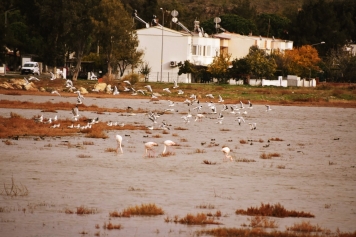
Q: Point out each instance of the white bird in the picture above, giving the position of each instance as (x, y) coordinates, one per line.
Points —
(209, 96)
(171, 103)
(93, 76)
(33, 78)
(141, 91)
(167, 143)
(175, 84)
(249, 105)
(241, 105)
(268, 108)
(26, 81)
(119, 141)
(75, 112)
(116, 91)
(180, 92)
(220, 99)
(226, 151)
(253, 126)
(126, 89)
(240, 119)
(39, 119)
(185, 118)
(149, 88)
(55, 118)
(128, 82)
(56, 92)
(149, 146)
(71, 126)
(53, 77)
(167, 90)
(199, 117)
(187, 101)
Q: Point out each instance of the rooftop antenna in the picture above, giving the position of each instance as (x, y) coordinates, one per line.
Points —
(175, 13)
(217, 20)
(134, 15)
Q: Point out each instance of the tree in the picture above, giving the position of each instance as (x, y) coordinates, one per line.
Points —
(240, 68)
(232, 23)
(80, 29)
(302, 61)
(261, 65)
(114, 30)
(219, 67)
(340, 66)
(145, 70)
(272, 25)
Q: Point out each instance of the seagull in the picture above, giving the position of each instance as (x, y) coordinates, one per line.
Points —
(33, 78)
(220, 99)
(249, 105)
(240, 119)
(39, 119)
(149, 88)
(116, 92)
(187, 101)
(128, 83)
(75, 112)
(26, 81)
(185, 118)
(180, 92)
(141, 91)
(198, 108)
(126, 89)
(241, 105)
(171, 103)
(167, 90)
(209, 96)
(268, 108)
(53, 77)
(252, 126)
(56, 92)
(175, 84)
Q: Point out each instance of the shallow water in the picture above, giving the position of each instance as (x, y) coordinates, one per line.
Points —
(300, 179)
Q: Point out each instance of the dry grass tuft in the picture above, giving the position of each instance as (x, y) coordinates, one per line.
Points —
(88, 143)
(7, 142)
(276, 210)
(245, 160)
(168, 153)
(143, 210)
(262, 222)
(180, 128)
(208, 162)
(157, 136)
(304, 226)
(184, 140)
(260, 140)
(14, 189)
(165, 132)
(199, 219)
(276, 139)
(111, 226)
(110, 150)
(206, 206)
(200, 150)
(83, 156)
(281, 166)
(269, 155)
(225, 129)
(243, 141)
(84, 211)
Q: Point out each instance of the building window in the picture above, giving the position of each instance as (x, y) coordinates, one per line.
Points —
(194, 50)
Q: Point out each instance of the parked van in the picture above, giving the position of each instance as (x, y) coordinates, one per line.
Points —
(30, 67)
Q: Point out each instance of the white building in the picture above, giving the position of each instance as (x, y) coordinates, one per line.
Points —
(164, 48)
(238, 45)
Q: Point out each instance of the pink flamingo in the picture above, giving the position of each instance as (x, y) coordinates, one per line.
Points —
(149, 146)
(119, 141)
(167, 143)
(226, 152)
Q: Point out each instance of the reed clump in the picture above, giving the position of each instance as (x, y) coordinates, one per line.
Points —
(190, 219)
(276, 210)
(142, 210)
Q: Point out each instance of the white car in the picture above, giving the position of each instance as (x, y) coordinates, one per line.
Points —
(30, 68)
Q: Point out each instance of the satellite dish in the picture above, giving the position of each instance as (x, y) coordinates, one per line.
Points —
(175, 19)
(217, 20)
(174, 13)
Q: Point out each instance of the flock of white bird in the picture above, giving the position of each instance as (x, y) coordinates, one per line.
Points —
(196, 111)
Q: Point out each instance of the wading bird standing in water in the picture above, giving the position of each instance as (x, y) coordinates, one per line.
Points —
(149, 146)
(167, 143)
(226, 152)
(119, 141)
